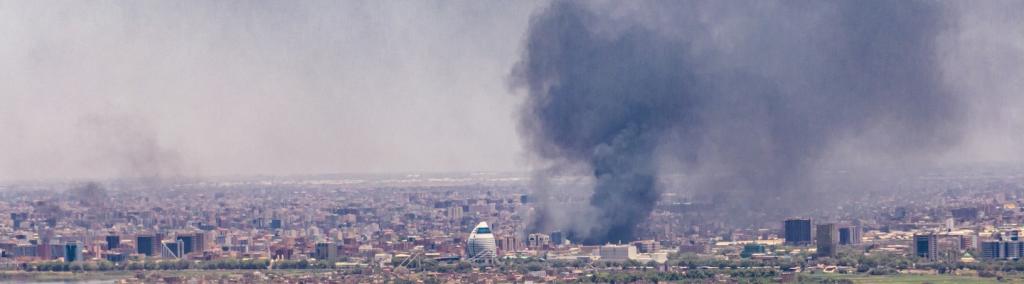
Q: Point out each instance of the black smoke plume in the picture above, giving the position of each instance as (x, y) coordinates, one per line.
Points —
(130, 145)
(747, 96)
(90, 194)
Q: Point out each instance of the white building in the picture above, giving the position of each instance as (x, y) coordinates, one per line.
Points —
(617, 252)
(481, 245)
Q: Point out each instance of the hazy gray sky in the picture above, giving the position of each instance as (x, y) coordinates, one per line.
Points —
(96, 89)
(101, 89)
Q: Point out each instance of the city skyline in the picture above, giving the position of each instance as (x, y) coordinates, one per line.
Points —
(564, 141)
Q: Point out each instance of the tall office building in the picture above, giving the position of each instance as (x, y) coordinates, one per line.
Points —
(199, 242)
(157, 239)
(798, 232)
(1013, 249)
(827, 238)
(537, 240)
(925, 245)
(557, 238)
(992, 250)
(849, 235)
(144, 244)
(175, 249)
(454, 213)
(113, 241)
(325, 250)
(510, 243)
(970, 241)
(1002, 250)
(480, 245)
(18, 218)
(190, 242)
(73, 252)
(43, 250)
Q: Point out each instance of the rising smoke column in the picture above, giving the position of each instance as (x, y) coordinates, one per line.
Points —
(130, 145)
(608, 113)
(756, 91)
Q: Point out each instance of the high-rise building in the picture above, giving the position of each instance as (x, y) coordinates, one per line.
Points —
(1002, 249)
(157, 239)
(537, 240)
(325, 250)
(199, 242)
(849, 235)
(43, 249)
(510, 243)
(205, 240)
(73, 252)
(454, 213)
(557, 238)
(798, 232)
(173, 249)
(18, 250)
(320, 250)
(188, 241)
(480, 245)
(1013, 249)
(970, 242)
(17, 218)
(925, 245)
(827, 238)
(992, 250)
(113, 241)
(144, 244)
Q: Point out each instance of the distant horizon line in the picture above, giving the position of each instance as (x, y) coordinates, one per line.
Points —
(78, 180)
(74, 180)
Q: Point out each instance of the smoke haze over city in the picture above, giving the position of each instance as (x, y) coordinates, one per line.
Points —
(484, 141)
(745, 98)
(737, 99)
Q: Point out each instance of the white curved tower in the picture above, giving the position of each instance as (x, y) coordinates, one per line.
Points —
(481, 245)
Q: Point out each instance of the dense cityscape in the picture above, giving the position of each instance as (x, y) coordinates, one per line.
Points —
(531, 141)
(471, 228)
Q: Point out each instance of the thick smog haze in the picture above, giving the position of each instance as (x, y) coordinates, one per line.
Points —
(107, 89)
(100, 89)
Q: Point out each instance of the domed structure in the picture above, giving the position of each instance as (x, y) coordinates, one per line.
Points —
(481, 245)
